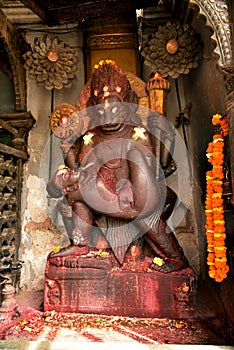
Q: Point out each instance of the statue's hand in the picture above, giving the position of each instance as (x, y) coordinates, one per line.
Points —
(125, 193)
(70, 180)
(79, 182)
(55, 186)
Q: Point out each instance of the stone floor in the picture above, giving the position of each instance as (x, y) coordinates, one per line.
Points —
(61, 345)
(35, 329)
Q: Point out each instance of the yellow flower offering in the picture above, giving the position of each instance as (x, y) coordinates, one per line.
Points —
(102, 253)
(158, 261)
(102, 62)
(62, 167)
(56, 249)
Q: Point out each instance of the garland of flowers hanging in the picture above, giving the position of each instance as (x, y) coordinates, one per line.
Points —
(215, 223)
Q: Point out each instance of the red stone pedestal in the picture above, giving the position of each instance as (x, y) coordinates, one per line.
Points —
(94, 285)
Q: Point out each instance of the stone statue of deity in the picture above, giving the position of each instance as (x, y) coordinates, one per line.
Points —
(112, 199)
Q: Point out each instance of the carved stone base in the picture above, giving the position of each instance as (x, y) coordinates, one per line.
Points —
(94, 285)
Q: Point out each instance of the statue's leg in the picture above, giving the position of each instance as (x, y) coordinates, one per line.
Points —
(170, 201)
(79, 231)
(66, 211)
(83, 219)
(68, 224)
(165, 241)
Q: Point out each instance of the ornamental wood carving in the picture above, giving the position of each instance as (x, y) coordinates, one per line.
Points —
(12, 155)
(18, 126)
(217, 17)
(51, 62)
(67, 11)
(173, 50)
(111, 41)
(14, 46)
(10, 187)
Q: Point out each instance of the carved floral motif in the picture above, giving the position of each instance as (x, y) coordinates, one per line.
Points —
(173, 50)
(51, 62)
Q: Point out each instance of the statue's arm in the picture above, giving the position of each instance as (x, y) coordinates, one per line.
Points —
(162, 136)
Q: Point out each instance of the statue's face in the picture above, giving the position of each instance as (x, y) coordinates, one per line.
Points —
(111, 115)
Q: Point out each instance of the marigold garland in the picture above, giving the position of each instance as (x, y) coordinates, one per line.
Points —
(215, 223)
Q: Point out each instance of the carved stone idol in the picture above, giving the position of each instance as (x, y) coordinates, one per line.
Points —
(113, 207)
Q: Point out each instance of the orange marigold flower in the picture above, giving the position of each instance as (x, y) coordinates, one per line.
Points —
(210, 248)
(211, 255)
(216, 119)
(219, 230)
(212, 273)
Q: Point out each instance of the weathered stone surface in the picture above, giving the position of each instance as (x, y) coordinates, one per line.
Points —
(94, 285)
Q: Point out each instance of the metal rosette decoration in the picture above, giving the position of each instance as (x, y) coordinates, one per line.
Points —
(51, 62)
(66, 122)
(173, 50)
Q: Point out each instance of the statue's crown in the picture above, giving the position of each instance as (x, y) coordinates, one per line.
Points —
(108, 80)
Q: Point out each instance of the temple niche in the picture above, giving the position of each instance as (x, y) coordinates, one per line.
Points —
(172, 59)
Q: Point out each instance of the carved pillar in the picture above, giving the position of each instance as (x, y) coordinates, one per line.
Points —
(158, 88)
(116, 40)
